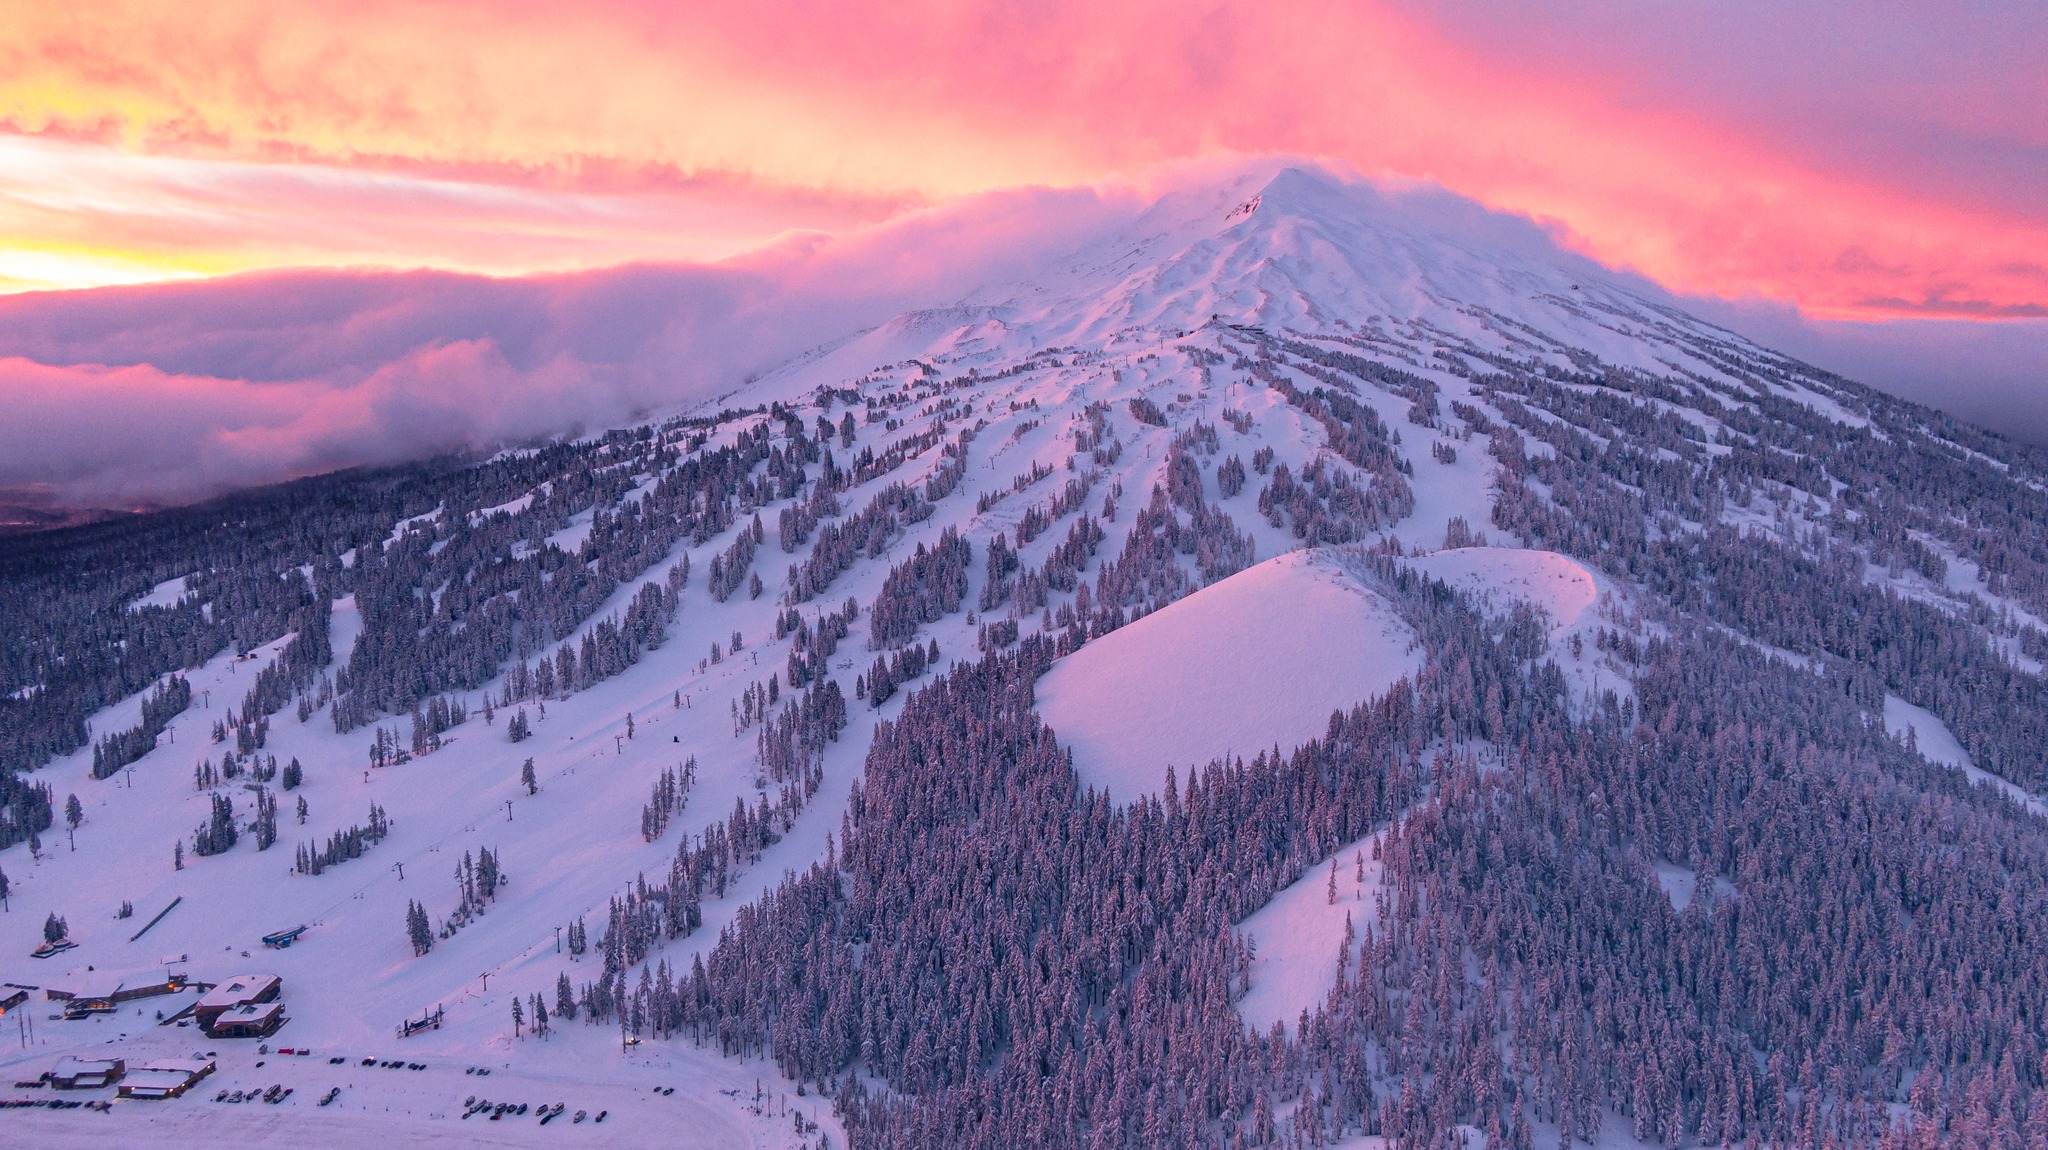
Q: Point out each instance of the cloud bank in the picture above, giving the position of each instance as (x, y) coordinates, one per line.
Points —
(167, 393)
(1994, 375)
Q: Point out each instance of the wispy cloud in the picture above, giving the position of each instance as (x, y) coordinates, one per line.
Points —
(80, 214)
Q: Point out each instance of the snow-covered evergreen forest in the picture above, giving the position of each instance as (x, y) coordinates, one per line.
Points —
(1297, 675)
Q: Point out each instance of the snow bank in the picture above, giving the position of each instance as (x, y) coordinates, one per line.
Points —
(1259, 659)
(1298, 933)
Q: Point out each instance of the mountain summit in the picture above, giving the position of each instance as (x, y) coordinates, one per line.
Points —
(1305, 249)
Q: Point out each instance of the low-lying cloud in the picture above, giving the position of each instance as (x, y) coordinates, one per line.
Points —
(168, 393)
(134, 396)
(1993, 373)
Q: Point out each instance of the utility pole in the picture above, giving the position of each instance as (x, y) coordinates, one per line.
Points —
(558, 940)
(400, 868)
(508, 810)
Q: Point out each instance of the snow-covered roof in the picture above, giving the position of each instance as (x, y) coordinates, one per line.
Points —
(251, 1012)
(174, 1065)
(163, 1078)
(235, 991)
(89, 983)
(70, 1068)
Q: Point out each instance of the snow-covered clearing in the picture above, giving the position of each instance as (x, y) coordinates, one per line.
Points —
(1445, 491)
(1562, 587)
(1578, 600)
(164, 594)
(1680, 884)
(1258, 660)
(400, 529)
(1297, 936)
(1938, 744)
(1826, 406)
(570, 538)
(344, 627)
(510, 507)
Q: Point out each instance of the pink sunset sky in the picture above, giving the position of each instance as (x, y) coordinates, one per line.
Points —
(1865, 185)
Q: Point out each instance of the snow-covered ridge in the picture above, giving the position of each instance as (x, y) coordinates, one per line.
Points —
(1258, 660)
(1564, 589)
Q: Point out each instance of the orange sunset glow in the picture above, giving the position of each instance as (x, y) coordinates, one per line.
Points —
(148, 142)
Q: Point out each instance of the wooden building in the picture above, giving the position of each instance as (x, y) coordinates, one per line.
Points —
(241, 990)
(86, 1073)
(164, 1079)
(249, 1020)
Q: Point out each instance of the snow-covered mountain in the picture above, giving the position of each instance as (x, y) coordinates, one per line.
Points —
(1321, 666)
(1301, 250)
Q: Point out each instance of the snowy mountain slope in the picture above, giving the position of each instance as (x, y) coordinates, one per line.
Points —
(1409, 272)
(351, 979)
(1186, 490)
(1298, 249)
(1932, 739)
(1256, 661)
(1563, 590)
(1299, 935)
(1577, 602)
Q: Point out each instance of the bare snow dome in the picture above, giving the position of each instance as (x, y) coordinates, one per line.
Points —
(1259, 659)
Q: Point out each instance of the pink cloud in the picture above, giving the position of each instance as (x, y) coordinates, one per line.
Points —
(112, 211)
(1891, 165)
